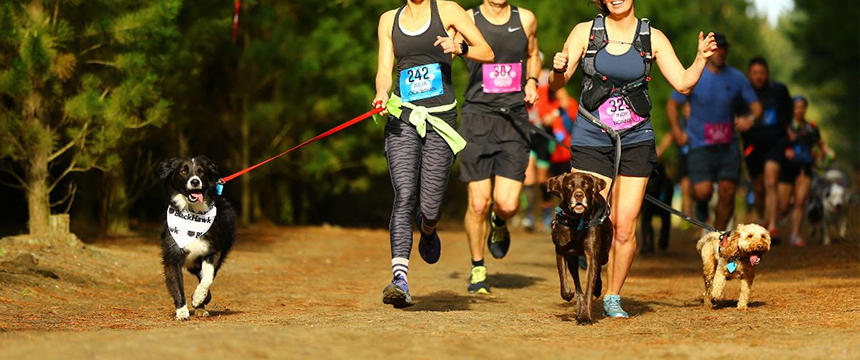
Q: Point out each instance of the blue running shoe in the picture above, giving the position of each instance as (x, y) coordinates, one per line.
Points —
(397, 293)
(612, 307)
(429, 247)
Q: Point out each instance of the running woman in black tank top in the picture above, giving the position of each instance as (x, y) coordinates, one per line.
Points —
(420, 140)
(620, 27)
(495, 124)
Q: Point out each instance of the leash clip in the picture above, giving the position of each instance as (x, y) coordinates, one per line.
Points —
(219, 186)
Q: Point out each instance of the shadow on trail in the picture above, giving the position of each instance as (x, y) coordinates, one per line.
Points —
(723, 304)
(448, 301)
(512, 281)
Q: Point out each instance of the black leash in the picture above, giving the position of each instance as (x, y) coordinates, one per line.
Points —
(616, 138)
(675, 212)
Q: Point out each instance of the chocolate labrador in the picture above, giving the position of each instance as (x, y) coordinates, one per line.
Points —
(574, 234)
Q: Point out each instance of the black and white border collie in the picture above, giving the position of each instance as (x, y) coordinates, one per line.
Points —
(199, 229)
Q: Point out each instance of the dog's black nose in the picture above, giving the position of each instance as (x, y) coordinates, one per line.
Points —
(578, 195)
(195, 182)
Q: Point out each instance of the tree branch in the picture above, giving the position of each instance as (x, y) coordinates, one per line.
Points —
(21, 183)
(71, 168)
(91, 48)
(70, 190)
(100, 62)
(71, 143)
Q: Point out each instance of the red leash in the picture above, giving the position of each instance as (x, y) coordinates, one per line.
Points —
(340, 127)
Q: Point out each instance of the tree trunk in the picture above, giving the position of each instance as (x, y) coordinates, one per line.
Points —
(118, 204)
(247, 210)
(38, 197)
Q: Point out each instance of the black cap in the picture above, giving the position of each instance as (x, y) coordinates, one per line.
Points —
(720, 39)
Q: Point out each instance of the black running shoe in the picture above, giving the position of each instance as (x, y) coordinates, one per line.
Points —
(499, 240)
(429, 247)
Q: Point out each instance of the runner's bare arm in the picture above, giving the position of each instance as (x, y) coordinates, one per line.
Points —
(385, 63)
(683, 80)
(533, 65)
(564, 63)
(672, 115)
(455, 18)
(744, 122)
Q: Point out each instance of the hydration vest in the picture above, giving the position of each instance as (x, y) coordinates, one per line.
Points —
(596, 87)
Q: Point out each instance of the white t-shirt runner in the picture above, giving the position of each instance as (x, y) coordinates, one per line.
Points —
(187, 226)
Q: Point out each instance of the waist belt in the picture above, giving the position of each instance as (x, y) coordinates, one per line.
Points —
(420, 116)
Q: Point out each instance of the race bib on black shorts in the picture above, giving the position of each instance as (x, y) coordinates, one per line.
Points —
(421, 82)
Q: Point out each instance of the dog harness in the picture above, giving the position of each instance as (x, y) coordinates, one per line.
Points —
(186, 226)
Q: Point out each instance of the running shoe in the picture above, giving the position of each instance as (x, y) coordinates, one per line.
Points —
(612, 307)
(478, 281)
(429, 247)
(397, 293)
(796, 241)
(774, 237)
(499, 239)
(529, 222)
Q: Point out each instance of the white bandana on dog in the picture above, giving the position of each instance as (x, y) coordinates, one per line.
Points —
(187, 226)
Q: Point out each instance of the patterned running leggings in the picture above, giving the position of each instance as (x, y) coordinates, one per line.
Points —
(419, 170)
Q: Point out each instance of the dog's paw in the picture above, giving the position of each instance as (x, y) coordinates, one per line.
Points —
(182, 313)
(199, 296)
(201, 312)
(583, 320)
(567, 296)
(742, 306)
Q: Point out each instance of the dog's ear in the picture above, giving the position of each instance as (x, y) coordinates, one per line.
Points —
(209, 165)
(166, 167)
(599, 183)
(554, 184)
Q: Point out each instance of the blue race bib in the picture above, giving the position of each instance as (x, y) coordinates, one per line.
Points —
(769, 117)
(421, 82)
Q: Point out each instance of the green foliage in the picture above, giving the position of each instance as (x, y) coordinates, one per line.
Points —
(823, 38)
(74, 76)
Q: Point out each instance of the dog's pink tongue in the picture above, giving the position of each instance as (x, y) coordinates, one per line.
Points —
(196, 197)
(754, 259)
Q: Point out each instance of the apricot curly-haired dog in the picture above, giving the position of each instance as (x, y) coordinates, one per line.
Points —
(729, 256)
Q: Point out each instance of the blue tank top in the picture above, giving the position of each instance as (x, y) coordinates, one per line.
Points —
(620, 69)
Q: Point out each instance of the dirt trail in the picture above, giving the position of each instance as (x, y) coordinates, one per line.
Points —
(303, 292)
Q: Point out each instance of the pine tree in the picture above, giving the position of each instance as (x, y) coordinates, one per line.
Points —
(75, 77)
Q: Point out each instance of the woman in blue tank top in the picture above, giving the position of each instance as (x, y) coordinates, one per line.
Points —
(621, 66)
(417, 42)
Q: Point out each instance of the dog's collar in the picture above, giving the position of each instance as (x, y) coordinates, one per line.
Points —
(563, 218)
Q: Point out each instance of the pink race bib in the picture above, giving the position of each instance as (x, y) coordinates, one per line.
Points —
(616, 114)
(502, 78)
(716, 134)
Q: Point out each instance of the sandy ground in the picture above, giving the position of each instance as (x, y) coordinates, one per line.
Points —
(316, 292)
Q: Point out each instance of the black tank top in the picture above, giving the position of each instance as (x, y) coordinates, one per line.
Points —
(411, 51)
(510, 44)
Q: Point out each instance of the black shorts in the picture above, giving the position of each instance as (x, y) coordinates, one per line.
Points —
(789, 171)
(763, 152)
(714, 163)
(495, 146)
(637, 160)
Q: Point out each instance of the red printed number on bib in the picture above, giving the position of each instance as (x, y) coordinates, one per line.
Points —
(616, 114)
(716, 134)
(502, 78)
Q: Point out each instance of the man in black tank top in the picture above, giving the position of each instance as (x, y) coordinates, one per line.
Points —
(495, 124)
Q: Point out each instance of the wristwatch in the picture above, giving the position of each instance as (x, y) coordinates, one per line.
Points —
(464, 48)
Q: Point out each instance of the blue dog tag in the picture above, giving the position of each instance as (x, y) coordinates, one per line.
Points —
(421, 82)
(218, 188)
(732, 266)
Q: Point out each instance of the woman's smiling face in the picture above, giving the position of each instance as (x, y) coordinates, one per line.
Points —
(617, 7)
